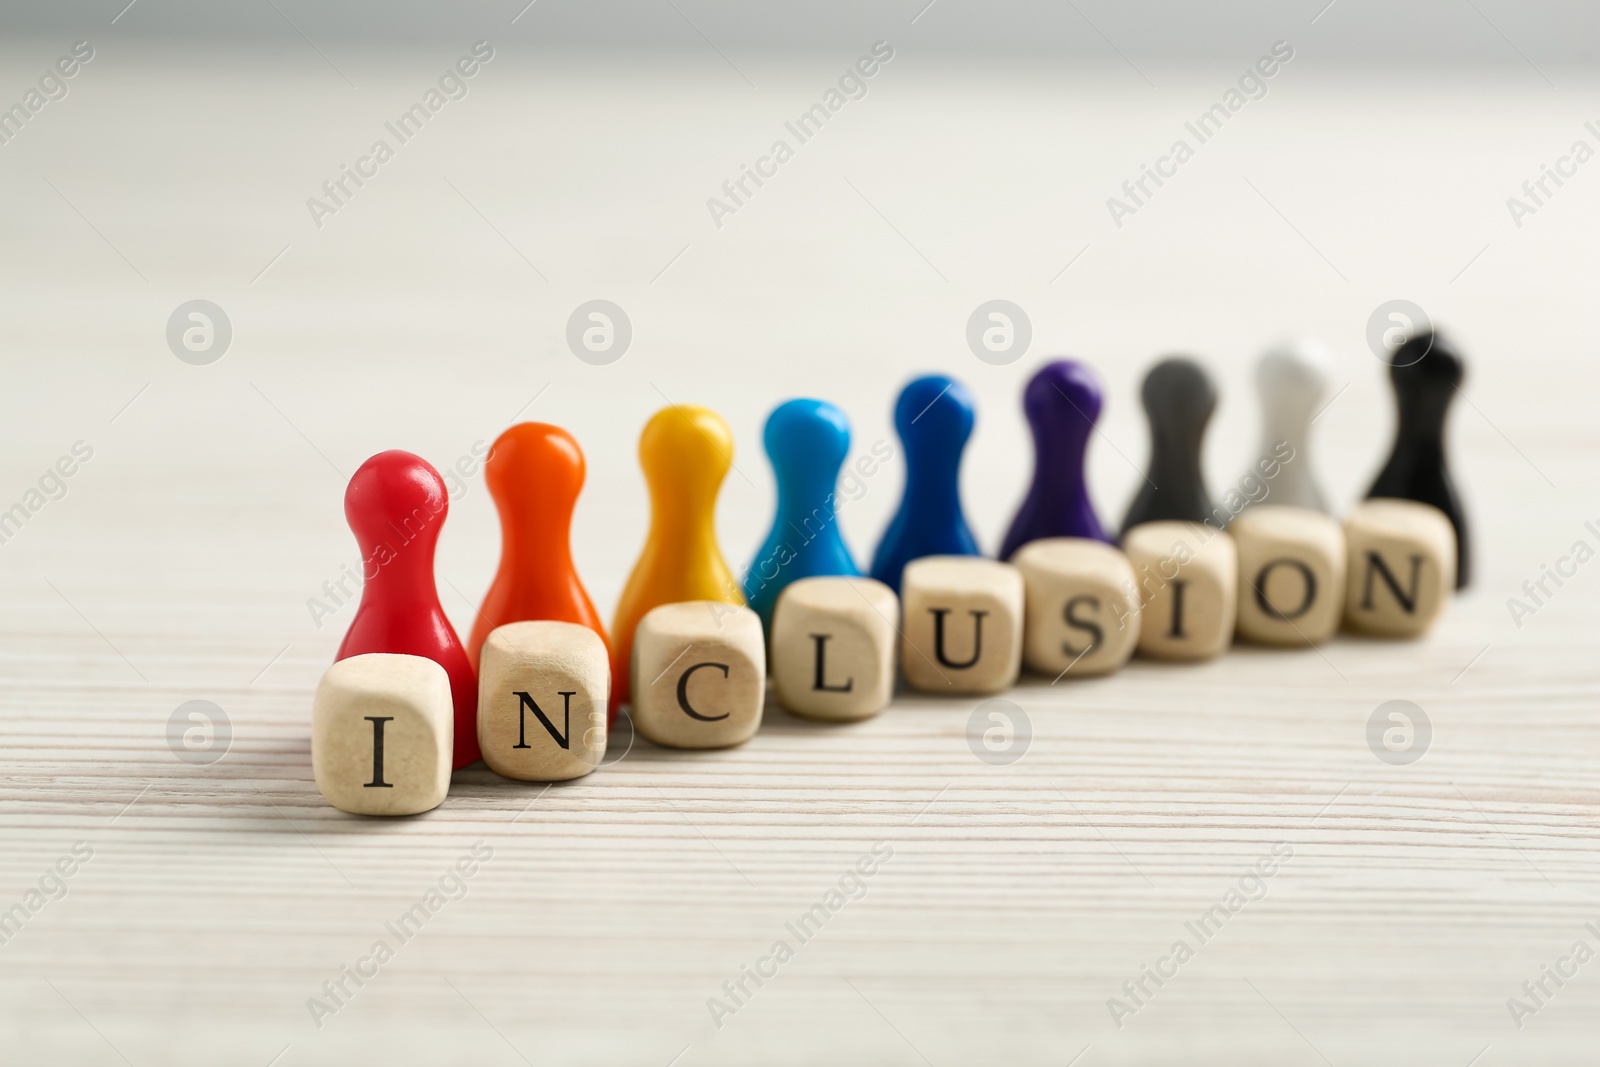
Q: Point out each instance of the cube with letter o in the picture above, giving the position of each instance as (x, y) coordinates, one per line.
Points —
(1291, 575)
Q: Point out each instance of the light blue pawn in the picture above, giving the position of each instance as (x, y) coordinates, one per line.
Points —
(934, 417)
(807, 441)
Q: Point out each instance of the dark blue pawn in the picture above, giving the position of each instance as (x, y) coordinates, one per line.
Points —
(807, 441)
(1062, 402)
(934, 418)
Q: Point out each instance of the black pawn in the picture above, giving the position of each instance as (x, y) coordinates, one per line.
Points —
(1179, 398)
(1426, 372)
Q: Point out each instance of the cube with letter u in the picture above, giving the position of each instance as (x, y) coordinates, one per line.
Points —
(963, 624)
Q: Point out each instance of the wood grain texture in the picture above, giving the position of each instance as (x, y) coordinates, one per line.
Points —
(1018, 898)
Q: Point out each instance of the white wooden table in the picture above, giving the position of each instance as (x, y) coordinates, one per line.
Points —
(429, 312)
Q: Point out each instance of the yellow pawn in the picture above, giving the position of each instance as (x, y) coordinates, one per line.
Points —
(685, 451)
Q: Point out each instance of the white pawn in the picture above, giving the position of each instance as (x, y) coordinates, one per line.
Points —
(1292, 379)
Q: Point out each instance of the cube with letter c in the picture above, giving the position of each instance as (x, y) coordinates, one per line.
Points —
(699, 674)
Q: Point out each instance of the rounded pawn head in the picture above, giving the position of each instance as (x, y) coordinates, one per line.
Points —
(1426, 361)
(532, 469)
(934, 415)
(392, 492)
(1063, 392)
(807, 441)
(685, 452)
(1293, 375)
(1178, 395)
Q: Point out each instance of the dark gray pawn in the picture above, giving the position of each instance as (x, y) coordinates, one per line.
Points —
(1179, 398)
(1426, 372)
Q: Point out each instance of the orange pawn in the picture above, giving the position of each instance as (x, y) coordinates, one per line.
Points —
(534, 472)
(685, 452)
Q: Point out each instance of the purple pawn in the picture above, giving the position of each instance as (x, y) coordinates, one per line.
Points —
(1062, 403)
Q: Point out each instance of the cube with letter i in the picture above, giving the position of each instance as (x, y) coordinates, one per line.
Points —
(699, 674)
(1402, 566)
(1291, 574)
(963, 624)
(542, 694)
(1082, 613)
(833, 646)
(1187, 575)
(382, 734)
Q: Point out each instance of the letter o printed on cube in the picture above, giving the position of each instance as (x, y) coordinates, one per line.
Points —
(1082, 610)
(1291, 574)
(1402, 567)
(542, 694)
(699, 674)
(1187, 574)
(833, 647)
(382, 734)
(963, 624)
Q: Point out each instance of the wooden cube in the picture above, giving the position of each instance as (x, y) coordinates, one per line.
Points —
(963, 624)
(833, 645)
(542, 694)
(1082, 606)
(1291, 574)
(1187, 574)
(1402, 566)
(699, 674)
(382, 734)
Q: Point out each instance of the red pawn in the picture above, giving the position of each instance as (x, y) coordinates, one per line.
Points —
(395, 505)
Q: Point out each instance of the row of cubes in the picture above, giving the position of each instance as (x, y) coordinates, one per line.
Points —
(382, 724)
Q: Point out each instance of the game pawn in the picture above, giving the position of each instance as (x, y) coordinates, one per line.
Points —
(1426, 372)
(685, 452)
(534, 472)
(807, 441)
(395, 504)
(1292, 379)
(1062, 402)
(934, 417)
(1179, 399)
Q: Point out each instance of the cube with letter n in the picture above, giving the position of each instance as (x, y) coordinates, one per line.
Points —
(542, 693)
(1402, 567)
